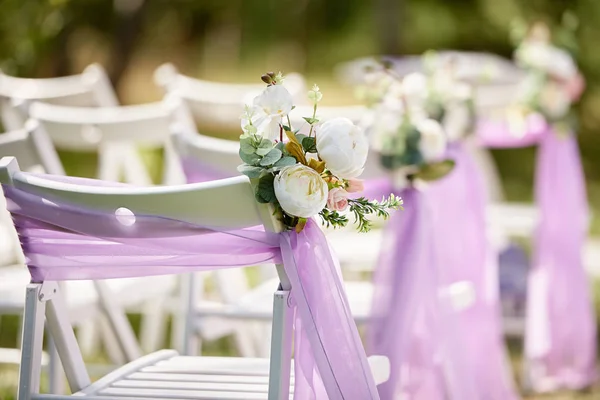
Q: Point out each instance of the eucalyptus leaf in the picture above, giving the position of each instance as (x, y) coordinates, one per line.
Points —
(246, 146)
(264, 147)
(265, 192)
(311, 120)
(271, 158)
(250, 171)
(251, 159)
(285, 162)
(300, 137)
(435, 171)
(309, 144)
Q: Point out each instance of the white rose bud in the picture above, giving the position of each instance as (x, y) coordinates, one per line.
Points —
(433, 140)
(343, 146)
(301, 191)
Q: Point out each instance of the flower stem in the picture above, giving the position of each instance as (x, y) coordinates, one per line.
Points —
(289, 123)
(314, 115)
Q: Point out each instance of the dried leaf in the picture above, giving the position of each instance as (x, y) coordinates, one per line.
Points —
(317, 165)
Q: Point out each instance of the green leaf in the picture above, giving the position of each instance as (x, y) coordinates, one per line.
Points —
(265, 192)
(250, 171)
(246, 146)
(264, 147)
(300, 137)
(311, 120)
(435, 171)
(285, 162)
(309, 144)
(251, 159)
(271, 158)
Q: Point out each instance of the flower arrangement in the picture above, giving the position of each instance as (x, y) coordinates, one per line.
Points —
(306, 175)
(552, 82)
(416, 116)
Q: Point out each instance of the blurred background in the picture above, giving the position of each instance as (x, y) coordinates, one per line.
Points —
(238, 40)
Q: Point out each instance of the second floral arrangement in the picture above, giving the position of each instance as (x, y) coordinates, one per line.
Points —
(303, 176)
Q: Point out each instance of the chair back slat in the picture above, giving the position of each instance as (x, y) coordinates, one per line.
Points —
(91, 88)
(84, 129)
(217, 105)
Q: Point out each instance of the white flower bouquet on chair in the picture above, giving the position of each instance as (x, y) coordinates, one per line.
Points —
(415, 117)
(552, 82)
(306, 175)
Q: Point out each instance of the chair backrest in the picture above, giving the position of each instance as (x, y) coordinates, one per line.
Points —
(114, 132)
(215, 105)
(220, 155)
(32, 148)
(92, 88)
(225, 203)
(85, 128)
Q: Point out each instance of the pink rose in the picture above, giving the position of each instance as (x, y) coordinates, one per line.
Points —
(355, 185)
(575, 87)
(337, 199)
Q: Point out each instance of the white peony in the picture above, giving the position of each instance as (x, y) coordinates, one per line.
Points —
(414, 89)
(301, 191)
(343, 146)
(268, 108)
(433, 139)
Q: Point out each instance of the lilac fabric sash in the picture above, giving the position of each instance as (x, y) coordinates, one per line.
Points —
(458, 208)
(437, 241)
(64, 242)
(560, 337)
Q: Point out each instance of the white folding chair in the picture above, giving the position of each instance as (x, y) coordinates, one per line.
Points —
(85, 301)
(222, 204)
(216, 106)
(91, 88)
(113, 132)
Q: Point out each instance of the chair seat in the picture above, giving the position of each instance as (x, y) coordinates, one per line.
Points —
(258, 303)
(81, 295)
(166, 375)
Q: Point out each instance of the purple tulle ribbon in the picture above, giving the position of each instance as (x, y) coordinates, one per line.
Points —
(436, 352)
(560, 337)
(63, 241)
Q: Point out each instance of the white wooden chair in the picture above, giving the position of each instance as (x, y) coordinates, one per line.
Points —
(91, 88)
(217, 106)
(224, 204)
(85, 301)
(114, 132)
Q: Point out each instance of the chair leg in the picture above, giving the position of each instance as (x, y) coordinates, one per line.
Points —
(281, 347)
(185, 335)
(55, 370)
(88, 337)
(111, 342)
(31, 353)
(152, 332)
